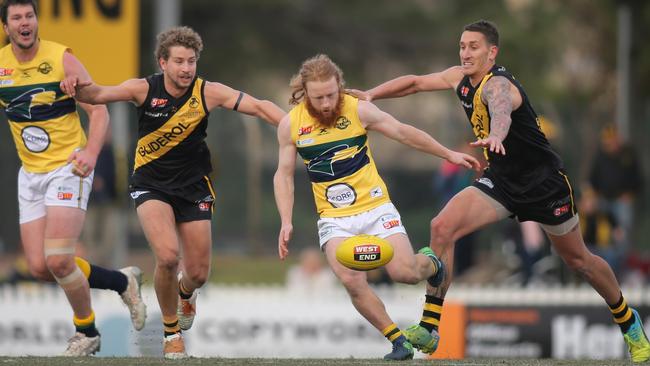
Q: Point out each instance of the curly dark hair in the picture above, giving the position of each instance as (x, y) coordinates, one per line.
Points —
(177, 36)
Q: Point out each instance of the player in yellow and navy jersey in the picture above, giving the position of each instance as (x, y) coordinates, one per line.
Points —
(329, 130)
(524, 179)
(170, 184)
(57, 169)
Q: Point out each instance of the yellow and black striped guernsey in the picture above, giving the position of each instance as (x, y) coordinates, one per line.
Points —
(343, 174)
(43, 120)
(529, 158)
(171, 151)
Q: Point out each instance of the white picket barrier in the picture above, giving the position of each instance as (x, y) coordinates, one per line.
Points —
(251, 321)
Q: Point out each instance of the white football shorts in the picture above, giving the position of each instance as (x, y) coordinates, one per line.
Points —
(382, 221)
(59, 187)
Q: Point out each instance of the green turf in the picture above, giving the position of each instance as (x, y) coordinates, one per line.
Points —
(56, 361)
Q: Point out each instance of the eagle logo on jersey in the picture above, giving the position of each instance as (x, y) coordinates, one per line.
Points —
(323, 163)
(22, 105)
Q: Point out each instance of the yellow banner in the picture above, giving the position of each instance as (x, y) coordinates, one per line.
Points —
(103, 34)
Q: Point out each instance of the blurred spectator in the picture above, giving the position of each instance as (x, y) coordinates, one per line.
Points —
(601, 231)
(447, 181)
(99, 235)
(616, 178)
(310, 275)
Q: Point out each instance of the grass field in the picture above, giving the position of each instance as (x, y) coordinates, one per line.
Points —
(62, 361)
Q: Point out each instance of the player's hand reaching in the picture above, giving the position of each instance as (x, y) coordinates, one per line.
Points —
(70, 84)
(493, 143)
(468, 161)
(283, 240)
(362, 95)
(83, 162)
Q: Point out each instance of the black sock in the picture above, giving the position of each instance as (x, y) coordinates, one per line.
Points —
(107, 279)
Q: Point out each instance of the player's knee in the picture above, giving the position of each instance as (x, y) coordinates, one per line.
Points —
(60, 265)
(441, 231)
(352, 280)
(197, 274)
(168, 262)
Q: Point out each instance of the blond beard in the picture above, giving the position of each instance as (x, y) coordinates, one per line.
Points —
(327, 121)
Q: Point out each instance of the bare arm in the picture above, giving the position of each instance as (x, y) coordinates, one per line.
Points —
(132, 90)
(78, 84)
(85, 159)
(375, 119)
(411, 84)
(501, 99)
(283, 185)
(220, 95)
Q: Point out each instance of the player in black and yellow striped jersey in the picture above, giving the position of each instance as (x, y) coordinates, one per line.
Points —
(329, 130)
(524, 179)
(170, 184)
(57, 169)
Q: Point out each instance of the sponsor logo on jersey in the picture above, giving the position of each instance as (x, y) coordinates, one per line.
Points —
(464, 91)
(340, 195)
(561, 210)
(204, 206)
(323, 131)
(158, 102)
(36, 139)
(162, 140)
(304, 142)
(467, 105)
(6, 82)
(6, 72)
(305, 130)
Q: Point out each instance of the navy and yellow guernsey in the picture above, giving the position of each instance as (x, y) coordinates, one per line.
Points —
(171, 151)
(343, 174)
(43, 120)
(529, 158)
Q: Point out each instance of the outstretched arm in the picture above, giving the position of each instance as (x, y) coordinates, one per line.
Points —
(220, 95)
(375, 119)
(411, 84)
(501, 99)
(79, 85)
(283, 185)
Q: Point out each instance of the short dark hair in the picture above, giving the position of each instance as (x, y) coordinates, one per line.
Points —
(4, 9)
(486, 28)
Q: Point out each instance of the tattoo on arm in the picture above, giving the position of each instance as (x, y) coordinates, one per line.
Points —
(496, 94)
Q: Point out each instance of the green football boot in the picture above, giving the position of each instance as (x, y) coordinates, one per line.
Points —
(637, 341)
(421, 339)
